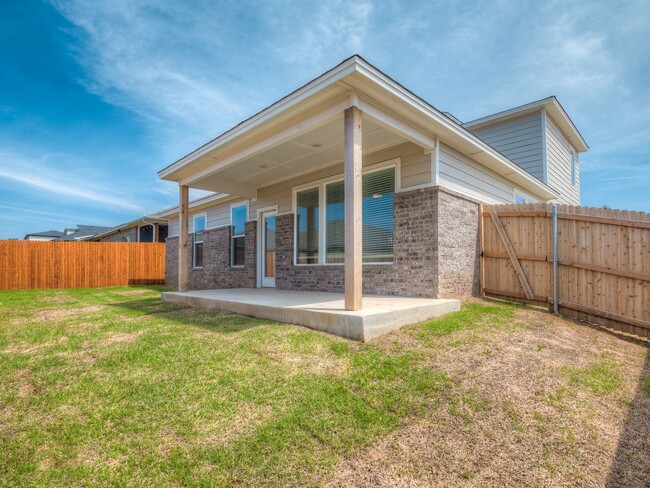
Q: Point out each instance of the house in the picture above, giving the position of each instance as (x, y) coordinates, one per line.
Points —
(82, 232)
(354, 184)
(48, 235)
(149, 228)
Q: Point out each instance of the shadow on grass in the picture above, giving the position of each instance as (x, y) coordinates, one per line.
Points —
(631, 466)
(213, 320)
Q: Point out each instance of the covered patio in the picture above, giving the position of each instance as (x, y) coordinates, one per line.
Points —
(370, 151)
(321, 311)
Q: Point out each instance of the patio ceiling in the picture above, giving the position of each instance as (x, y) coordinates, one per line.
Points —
(312, 150)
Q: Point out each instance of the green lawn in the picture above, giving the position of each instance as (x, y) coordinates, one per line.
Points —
(112, 386)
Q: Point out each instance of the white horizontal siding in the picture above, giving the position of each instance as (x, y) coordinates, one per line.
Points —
(217, 215)
(461, 173)
(519, 139)
(558, 154)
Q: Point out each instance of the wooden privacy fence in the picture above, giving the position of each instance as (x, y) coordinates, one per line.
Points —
(28, 265)
(603, 261)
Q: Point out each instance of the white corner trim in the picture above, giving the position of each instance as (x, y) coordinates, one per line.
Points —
(435, 161)
(544, 156)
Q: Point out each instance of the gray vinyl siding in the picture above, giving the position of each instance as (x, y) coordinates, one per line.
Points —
(415, 170)
(520, 139)
(558, 154)
(461, 173)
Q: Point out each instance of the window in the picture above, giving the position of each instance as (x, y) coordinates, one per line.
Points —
(335, 218)
(378, 216)
(521, 199)
(378, 191)
(238, 237)
(573, 168)
(163, 230)
(145, 233)
(197, 238)
(307, 209)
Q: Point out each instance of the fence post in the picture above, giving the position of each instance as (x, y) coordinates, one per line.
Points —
(556, 306)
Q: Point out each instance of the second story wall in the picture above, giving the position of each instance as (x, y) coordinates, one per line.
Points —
(563, 168)
(520, 139)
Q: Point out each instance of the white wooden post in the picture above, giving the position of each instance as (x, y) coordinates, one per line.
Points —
(353, 209)
(183, 239)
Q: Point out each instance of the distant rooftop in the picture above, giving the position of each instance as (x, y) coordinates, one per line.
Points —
(47, 233)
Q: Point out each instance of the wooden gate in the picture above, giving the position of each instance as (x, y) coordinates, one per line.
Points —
(603, 270)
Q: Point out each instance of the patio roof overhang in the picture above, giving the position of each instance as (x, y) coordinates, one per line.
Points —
(304, 131)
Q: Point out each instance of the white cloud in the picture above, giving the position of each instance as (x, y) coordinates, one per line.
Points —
(158, 59)
(311, 34)
(74, 187)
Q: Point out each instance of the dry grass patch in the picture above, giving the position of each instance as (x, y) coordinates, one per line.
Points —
(123, 337)
(55, 314)
(548, 403)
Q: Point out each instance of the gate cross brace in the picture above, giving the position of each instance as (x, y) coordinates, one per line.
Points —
(513, 257)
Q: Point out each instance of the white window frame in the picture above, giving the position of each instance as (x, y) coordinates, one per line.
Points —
(321, 184)
(194, 217)
(153, 232)
(525, 198)
(232, 236)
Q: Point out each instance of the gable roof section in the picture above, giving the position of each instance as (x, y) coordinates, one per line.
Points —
(47, 233)
(551, 105)
(82, 232)
(144, 220)
(373, 88)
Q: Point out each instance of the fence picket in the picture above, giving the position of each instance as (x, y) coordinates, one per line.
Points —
(604, 272)
(35, 265)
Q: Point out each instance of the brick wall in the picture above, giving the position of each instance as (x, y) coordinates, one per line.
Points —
(216, 271)
(119, 236)
(458, 246)
(411, 274)
(436, 253)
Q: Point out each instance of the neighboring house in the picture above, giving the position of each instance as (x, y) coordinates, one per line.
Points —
(48, 235)
(150, 228)
(281, 216)
(82, 232)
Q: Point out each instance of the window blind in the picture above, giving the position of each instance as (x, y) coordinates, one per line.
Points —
(335, 222)
(307, 222)
(378, 216)
(378, 222)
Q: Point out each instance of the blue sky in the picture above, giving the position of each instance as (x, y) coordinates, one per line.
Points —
(97, 96)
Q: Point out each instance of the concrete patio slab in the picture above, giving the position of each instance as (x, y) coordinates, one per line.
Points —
(319, 310)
